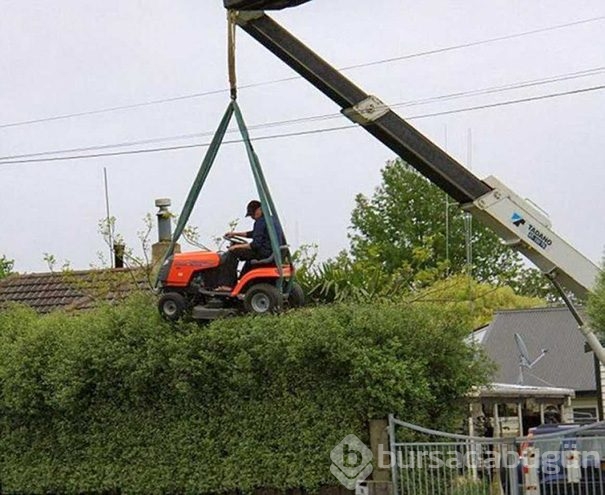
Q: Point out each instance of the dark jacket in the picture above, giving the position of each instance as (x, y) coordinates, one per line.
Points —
(261, 242)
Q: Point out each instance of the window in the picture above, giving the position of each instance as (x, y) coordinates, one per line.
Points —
(584, 415)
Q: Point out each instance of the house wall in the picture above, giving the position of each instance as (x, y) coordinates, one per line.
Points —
(504, 413)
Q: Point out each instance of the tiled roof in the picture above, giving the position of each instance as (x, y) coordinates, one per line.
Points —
(565, 363)
(71, 290)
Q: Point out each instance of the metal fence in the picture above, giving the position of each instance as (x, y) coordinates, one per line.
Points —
(555, 460)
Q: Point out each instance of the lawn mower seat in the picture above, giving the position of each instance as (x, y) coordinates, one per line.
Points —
(285, 254)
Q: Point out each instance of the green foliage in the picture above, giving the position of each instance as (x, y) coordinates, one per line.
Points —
(117, 399)
(478, 301)
(531, 282)
(6, 266)
(346, 279)
(340, 279)
(404, 225)
(596, 305)
(399, 247)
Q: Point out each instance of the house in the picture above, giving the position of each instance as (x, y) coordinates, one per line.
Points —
(79, 290)
(71, 290)
(543, 348)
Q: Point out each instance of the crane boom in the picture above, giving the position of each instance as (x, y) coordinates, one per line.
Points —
(516, 220)
(261, 4)
(373, 115)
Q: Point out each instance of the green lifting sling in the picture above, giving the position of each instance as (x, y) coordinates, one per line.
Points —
(267, 204)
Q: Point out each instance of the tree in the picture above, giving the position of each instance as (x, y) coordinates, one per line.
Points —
(343, 279)
(532, 282)
(478, 301)
(6, 266)
(596, 305)
(409, 224)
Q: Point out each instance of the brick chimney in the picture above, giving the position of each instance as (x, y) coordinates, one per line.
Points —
(158, 250)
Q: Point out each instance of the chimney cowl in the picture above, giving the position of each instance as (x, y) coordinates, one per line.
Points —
(164, 220)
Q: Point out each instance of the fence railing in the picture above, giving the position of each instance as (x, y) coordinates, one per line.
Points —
(557, 460)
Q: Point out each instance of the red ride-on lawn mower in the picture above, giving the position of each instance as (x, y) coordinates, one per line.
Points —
(187, 282)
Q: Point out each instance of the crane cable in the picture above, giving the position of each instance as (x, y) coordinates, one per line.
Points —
(267, 204)
(231, 54)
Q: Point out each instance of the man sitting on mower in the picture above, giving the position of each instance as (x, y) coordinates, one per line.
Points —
(260, 247)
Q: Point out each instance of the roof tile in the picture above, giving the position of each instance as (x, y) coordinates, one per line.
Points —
(71, 290)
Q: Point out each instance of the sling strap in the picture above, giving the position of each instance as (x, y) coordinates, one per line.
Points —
(267, 204)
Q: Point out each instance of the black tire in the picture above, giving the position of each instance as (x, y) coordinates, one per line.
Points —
(261, 299)
(172, 306)
(296, 298)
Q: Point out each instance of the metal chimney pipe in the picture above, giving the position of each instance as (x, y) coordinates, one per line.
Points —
(164, 219)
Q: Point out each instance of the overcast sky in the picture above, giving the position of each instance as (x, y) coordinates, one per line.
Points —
(80, 56)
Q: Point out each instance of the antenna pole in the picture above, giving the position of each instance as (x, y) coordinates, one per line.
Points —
(468, 219)
(447, 214)
(108, 218)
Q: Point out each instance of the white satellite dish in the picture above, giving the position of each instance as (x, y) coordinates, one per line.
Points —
(525, 362)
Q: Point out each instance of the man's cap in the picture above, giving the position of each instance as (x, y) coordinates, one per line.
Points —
(252, 207)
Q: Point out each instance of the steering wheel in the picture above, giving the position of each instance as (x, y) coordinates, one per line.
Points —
(235, 239)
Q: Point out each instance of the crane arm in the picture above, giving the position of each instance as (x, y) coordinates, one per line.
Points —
(368, 111)
(517, 221)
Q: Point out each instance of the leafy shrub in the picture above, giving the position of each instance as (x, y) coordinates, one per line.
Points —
(596, 304)
(116, 399)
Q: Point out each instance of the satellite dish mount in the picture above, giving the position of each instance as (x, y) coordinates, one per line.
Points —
(525, 362)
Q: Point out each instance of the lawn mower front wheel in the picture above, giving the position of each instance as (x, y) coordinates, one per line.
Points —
(172, 306)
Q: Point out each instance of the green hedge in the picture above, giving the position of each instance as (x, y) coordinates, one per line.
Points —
(116, 399)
